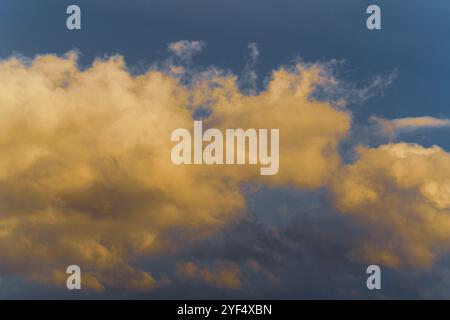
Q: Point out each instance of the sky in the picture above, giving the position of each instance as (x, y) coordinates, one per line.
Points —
(86, 179)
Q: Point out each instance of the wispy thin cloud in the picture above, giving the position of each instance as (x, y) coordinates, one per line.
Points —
(394, 126)
(186, 49)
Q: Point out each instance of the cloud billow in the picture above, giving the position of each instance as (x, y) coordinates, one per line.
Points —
(86, 176)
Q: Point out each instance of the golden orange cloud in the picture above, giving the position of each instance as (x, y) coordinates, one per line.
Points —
(85, 170)
(86, 176)
(401, 194)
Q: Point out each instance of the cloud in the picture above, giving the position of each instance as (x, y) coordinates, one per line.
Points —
(392, 127)
(254, 51)
(186, 49)
(343, 94)
(86, 176)
(85, 170)
(400, 195)
(310, 130)
(249, 76)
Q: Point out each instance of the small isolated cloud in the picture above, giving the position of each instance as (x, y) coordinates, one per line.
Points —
(186, 49)
(392, 127)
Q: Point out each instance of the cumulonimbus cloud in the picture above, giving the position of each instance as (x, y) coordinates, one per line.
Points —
(86, 176)
(85, 170)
